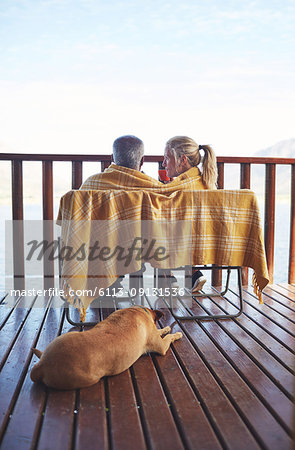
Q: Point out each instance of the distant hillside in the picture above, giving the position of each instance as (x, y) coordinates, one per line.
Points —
(283, 149)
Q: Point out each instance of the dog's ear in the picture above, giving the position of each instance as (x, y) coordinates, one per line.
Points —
(158, 314)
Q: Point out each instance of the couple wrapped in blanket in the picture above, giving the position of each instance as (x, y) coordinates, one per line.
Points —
(193, 224)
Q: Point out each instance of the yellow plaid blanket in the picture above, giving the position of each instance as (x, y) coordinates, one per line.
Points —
(118, 177)
(187, 227)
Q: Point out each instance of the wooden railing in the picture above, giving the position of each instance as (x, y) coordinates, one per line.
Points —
(77, 165)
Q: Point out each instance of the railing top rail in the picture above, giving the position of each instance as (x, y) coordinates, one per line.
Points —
(254, 160)
(148, 158)
(53, 157)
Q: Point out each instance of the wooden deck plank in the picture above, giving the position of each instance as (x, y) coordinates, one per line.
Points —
(25, 421)
(272, 314)
(225, 384)
(287, 301)
(251, 373)
(264, 338)
(161, 428)
(260, 356)
(58, 421)
(13, 325)
(268, 321)
(60, 415)
(16, 364)
(228, 425)
(287, 289)
(92, 421)
(10, 306)
(243, 397)
(6, 309)
(249, 346)
(275, 301)
(125, 423)
(193, 422)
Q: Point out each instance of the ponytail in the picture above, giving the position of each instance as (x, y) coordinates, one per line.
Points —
(183, 145)
(210, 173)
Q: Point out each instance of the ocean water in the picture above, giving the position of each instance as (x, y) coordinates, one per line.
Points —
(282, 237)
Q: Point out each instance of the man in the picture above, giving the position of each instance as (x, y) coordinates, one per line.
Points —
(128, 156)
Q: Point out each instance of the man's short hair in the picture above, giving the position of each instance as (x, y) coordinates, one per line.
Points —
(128, 151)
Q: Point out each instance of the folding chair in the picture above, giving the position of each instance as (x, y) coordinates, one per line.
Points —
(217, 294)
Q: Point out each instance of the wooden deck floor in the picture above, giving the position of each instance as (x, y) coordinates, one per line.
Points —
(225, 384)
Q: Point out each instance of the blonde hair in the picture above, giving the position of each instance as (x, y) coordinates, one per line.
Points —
(183, 145)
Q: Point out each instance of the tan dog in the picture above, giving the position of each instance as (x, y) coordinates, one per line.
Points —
(76, 360)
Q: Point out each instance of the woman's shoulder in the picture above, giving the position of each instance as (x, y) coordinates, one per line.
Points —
(192, 173)
(190, 179)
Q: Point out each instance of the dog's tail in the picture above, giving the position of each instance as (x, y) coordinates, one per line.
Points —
(37, 372)
(37, 352)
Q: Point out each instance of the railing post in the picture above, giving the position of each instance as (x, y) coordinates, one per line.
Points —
(220, 181)
(216, 277)
(291, 277)
(104, 165)
(76, 174)
(47, 189)
(269, 217)
(17, 225)
(245, 177)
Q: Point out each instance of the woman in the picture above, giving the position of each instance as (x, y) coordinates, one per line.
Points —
(182, 156)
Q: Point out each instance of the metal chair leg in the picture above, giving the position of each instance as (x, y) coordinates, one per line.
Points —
(79, 324)
(215, 316)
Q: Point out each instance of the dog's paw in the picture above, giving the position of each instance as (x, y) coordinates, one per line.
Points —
(177, 335)
(164, 331)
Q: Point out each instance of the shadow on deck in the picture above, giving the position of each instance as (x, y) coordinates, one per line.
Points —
(225, 384)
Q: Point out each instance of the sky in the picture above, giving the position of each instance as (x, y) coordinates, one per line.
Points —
(76, 74)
